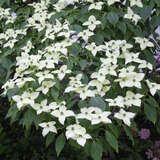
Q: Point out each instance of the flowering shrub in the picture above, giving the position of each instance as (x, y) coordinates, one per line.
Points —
(82, 69)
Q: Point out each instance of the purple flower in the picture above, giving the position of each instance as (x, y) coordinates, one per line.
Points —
(74, 37)
(13, 14)
(155, 158)
(158, 30)
(157, 57)
(149, 154)
(144, 133)
(157, 143)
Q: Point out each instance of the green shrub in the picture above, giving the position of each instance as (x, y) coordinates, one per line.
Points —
(82, 70)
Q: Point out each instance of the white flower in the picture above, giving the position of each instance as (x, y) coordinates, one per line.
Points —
(96, 6)
(125, 116)
(131, 15)
(27, 47)
(8, 85)
(62, 113)
(132, 99)
(48, 127)
(118, 101)
(144, 42)
(47, 63)
(21, 81)
(42, 107)
(85, 92)
(85, 113)
(45, 86)
(109, 69)
(99, 116)
(153, 87)
(136, 3)
(93, 48)
(91, 23)
(10, 43)
(110, 2)
(131, 57)
(26, 98)
(44, 75)
(77, 133)
(62, 71)
(124, 45)
(85, 34)
(100, 75)
(129, 78)
(145, 64)
(98, 84)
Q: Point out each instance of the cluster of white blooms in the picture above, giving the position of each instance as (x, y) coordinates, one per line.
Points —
(95, 115)
(6, 14)
(48, 66)
(129, 100)
(9, 38)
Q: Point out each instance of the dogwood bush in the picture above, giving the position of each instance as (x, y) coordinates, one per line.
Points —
(82, 68)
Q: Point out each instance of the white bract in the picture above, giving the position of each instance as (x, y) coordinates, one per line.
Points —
(153, 87)
(93, 48)
(96, 6)
(48, 127)
(91, 23)
(110, 2)
(62, 113)
(144, 42)
(136, 3)
(27, 98)
(125, 116)
(77, 133)
(131, 15)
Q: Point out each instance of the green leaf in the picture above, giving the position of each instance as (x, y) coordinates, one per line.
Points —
(112, 18)
(50, 138)
(122, 26)
(54, 93)
(83, 64)
(114, 130)
(129, 133)
(152, 102)
(155, 21)
(60, 142)
(158, 2)
(150, 112)
(99, 38)
(112, 140)
(145, 12)
(97, 102)
(28, 118)
(96, 151)
(12, 112)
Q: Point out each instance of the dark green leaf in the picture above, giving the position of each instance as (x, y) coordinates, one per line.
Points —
(112, 140)
(49, 139)
(112, 18)
(97, 102)
(60, 142)
(96, 151)
(122, 26)
(150, 112)
(83, 64)
(129, 133)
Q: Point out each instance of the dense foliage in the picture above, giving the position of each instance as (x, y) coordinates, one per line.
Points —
(84, 71)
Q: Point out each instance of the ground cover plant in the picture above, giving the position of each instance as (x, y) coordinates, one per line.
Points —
(83, 72)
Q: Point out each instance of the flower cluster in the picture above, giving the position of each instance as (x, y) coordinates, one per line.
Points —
(41, 71)
(153, 153)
